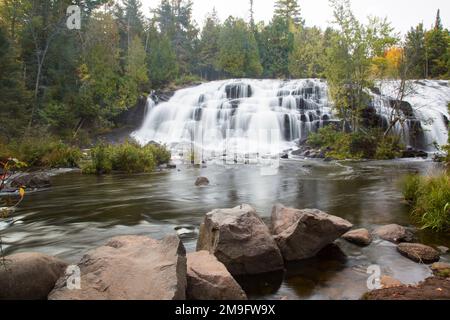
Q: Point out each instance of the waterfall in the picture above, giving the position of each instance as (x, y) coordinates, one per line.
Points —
(271, 116)
(246, 116)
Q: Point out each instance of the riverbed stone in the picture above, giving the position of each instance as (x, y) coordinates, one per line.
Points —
(433, 288)
(35, 180)
(130, 268)
(240, 240)
(418, 252)
(441, 269)
(442, 249)
(301, 234)
(209, 279)
(29, 276)
(394, 233)
(201, 181)
(360, 237)
(389, 282)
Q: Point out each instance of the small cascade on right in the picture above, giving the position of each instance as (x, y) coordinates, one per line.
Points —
(424, 109)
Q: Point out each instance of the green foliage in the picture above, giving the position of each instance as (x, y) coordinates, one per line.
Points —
(355, 145)
(47, 152)
(238, 53)
(430, 200)
(349, 59)
(437, 43)
(162, 61)
(128, 157)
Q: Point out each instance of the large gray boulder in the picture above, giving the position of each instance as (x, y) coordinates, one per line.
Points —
(29, 276)
(240, 240)
(301, 234)
(130, 268)
(208, 279)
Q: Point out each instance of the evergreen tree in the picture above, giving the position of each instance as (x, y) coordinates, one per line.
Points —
(238, 55)
(134, 19)
(307, 57)
(415, 52)
(162, 60)
(437, 42)
(14, 98)
(276, 44)
(289, 10)
(209, 47)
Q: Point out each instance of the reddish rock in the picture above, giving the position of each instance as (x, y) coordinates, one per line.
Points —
(130, 268)
(208, 279)
(301, 234)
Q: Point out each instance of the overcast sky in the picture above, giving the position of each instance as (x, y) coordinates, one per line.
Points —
(402, 13)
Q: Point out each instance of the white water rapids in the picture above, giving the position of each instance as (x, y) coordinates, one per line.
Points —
(271, 116)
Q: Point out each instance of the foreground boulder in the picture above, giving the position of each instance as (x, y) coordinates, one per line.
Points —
(394, 233)
(301, 234)
(418, 252)
(36, 180)
(433, 288)
(201, 181)
(240, 240)
(208, 279)
(130, 268)
(29, 276)
(360, 237)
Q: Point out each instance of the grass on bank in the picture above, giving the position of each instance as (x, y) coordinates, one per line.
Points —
(429, 197)
(128, 157)
(370, 144)
(42, 152)
(49, 152)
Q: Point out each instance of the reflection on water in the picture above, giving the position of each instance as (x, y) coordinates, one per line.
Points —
(80, 212)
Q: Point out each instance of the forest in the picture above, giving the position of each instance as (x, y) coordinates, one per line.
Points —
(73, 84)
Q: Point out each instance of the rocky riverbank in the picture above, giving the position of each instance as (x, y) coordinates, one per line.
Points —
(233, 243)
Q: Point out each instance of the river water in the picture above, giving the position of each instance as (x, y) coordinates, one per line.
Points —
(80, 212)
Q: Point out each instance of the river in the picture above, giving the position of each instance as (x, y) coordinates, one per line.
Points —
(80, 212)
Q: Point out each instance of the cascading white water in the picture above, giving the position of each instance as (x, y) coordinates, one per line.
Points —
(246, 116)
(269, 116)
(428, 100)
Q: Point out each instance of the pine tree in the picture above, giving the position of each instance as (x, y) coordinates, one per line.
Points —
(14, 98)
(437, 42)
(415, 52)
(238, 55)
(209, 47)
(288, 10)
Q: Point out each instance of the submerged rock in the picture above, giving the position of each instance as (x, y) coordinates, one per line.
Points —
(201, 181)
(441, 269)
(29, 276)
(418, 252)
(35, 180)
(442, 249)
(394, 233)
(360, 237)
(208, 279)
(389, 282)
(130, 268)
(240, 240)
(301, 234)
(413, 153)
